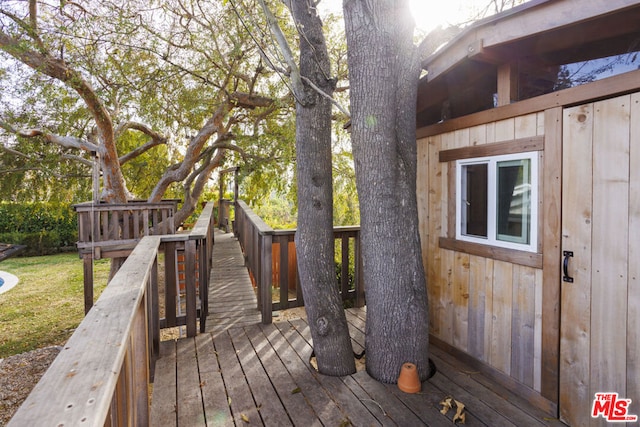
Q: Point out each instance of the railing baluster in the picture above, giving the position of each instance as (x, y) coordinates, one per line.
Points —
(284, 272)
(190, 286)
(344, 271)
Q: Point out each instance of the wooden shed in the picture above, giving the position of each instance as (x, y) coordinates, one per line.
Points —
(528, 134)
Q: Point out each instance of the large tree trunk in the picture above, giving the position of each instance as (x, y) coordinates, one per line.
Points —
(383, 75)
(314, 237)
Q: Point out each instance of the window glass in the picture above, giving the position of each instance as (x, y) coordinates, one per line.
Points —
(513, 209)
(538, 78)
(474, 209)
(497, 200)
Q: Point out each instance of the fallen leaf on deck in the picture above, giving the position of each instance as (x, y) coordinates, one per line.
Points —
(296, 390)
(459, 416)
(229, 401)
(446, 405)
(245, 418)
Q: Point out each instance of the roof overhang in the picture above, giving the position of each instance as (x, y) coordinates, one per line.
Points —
(537, 25)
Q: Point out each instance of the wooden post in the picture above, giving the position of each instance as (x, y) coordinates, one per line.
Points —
(344, 272)
(507, 84)
(284, 272)
(170, 278)
(235, 185)
(190, 286)
(96, 177)
(140, 361)
(203, 282)
(87, 267)
(265, 278)
(153, 322)
(220, 198)
(359, 283)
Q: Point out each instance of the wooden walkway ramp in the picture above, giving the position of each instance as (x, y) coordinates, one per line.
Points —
(232, 300)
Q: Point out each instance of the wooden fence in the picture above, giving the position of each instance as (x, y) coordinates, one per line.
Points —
(102, 375)
(270, 259)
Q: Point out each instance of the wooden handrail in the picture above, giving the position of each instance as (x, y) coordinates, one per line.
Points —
(99, 367)
(258, 240)
(102, 375)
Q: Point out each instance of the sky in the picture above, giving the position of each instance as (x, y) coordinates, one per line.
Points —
(428, 14)
(431, 13)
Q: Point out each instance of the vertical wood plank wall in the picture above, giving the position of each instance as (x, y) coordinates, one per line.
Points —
(633, 315)
(600, 327)
(488, 308)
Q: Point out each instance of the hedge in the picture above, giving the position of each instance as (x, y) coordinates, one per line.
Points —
(45, 228)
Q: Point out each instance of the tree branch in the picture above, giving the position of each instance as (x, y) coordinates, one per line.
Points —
(78, 159)
(296, 80)
(251, 101)
(326, 95)
(156, 139)
(63, 141)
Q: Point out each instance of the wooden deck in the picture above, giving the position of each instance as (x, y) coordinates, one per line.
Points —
(245, 373)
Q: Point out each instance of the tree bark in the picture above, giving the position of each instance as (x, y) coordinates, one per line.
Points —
(314, 239)
(383, 75)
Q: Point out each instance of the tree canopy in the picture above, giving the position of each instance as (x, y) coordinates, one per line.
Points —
(164, 92)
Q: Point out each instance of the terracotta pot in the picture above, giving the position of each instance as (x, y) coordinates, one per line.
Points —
(408, 380)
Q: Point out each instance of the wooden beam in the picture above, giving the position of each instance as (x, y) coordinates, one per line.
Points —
(551, 241)
(521, 145)
(507, 83)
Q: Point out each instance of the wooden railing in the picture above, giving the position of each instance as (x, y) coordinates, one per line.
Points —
(110, 230)
(187, 271)
(113, 227)
(102, 375)
(268, 258)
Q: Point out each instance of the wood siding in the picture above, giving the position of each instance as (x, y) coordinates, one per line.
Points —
(511, 314)
(488, 308)
(600, 319)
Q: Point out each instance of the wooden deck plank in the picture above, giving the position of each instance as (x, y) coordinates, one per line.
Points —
(503, 399)
(341, 393)
(393, 407)
(350, 402)
(163, 402)
(296, 355)
(189, 399)
(269, 406)
(240, 399)
(372, 406)
(426, 405)
(214, 398)
(356, 330)
(473, 405)
(286, 387)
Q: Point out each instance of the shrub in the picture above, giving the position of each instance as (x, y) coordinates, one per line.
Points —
(45, 228)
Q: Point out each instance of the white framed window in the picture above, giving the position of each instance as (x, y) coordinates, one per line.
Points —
(497, 200)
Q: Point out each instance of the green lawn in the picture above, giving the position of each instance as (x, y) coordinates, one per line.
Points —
(47, 304)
